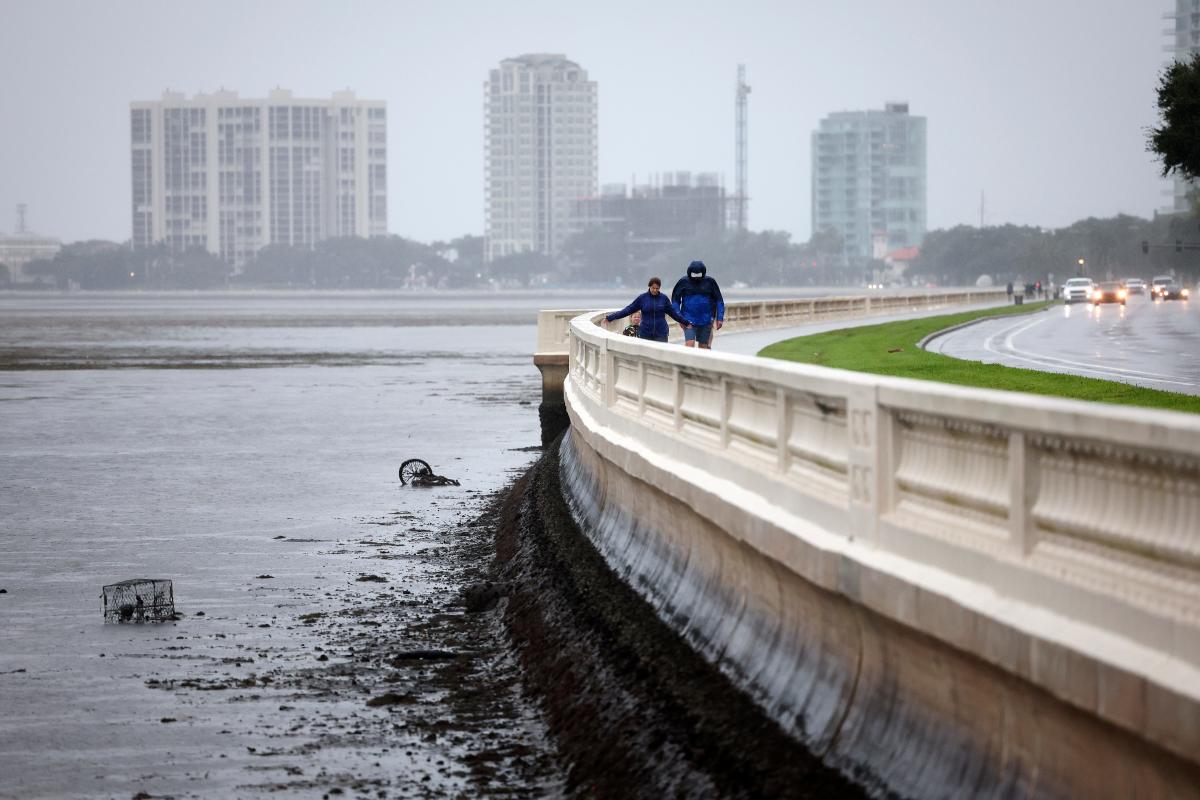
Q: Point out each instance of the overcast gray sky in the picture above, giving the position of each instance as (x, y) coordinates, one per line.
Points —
(1042, 104)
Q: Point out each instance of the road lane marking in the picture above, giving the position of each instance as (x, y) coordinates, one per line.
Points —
(1018, 354)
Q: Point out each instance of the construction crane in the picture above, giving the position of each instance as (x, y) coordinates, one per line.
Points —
(740, 198)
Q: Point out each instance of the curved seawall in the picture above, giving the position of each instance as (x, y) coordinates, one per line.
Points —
(939, 591)
(890, 707)
(636, 711)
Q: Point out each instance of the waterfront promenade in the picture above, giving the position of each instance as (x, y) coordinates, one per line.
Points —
(940, 590)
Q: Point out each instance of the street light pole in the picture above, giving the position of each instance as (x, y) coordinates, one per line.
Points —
(1081, 270)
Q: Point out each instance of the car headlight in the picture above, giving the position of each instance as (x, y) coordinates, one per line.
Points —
(1184, 293)
(1121, 293)
(1096, 295)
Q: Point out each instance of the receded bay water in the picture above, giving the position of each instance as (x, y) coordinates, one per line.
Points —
(242, 445)
(245, 446)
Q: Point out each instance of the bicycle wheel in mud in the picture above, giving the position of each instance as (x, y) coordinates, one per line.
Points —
(412, 468)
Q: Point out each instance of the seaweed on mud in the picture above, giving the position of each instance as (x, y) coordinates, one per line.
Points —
(415, 668)
(636, 712)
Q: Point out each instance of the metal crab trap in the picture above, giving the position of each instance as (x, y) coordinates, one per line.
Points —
(139, 600)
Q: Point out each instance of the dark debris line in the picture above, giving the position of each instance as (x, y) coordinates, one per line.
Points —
(403, 672)
(636, 712)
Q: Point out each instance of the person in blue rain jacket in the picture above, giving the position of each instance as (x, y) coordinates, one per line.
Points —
(698, 298)
(655, 308)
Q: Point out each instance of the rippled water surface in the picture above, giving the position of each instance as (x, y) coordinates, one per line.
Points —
(213, 440)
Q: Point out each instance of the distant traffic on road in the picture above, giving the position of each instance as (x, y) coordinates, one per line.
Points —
(1150, 340)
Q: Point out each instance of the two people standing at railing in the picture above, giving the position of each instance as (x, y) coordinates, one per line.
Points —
(695, 303)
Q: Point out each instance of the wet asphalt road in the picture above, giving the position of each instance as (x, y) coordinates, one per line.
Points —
(1156, 345)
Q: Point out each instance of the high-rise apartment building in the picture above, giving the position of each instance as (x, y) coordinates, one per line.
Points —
(1185, 43)
(868, 180)
(540, 152)
(233, 175)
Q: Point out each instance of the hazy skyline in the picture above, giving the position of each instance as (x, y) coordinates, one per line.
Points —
(1042, 106)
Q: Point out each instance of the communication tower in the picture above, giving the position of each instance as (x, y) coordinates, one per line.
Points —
(740, 198)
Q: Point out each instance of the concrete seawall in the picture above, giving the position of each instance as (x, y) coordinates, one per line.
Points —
(634, 709)
(892, 708)
(938, 591)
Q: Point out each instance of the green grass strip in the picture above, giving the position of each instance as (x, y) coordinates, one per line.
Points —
(891, 349)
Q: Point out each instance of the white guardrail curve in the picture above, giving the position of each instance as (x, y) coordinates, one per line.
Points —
(1073, 526)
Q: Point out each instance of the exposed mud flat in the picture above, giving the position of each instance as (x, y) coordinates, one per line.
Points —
(310, 582)
(635, 712)
(395, 678)
(341, 635)
(510, 662)
(409, 679)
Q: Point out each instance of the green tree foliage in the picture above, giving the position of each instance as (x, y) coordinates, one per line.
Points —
(280, 265)
(958, 256)
(522, 269)
(108, 265)
(598, 256)
(347, 262)
(462, 263)
(1110, 248)
(1177, 140)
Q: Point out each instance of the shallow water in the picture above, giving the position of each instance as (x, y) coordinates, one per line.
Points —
(212, 440)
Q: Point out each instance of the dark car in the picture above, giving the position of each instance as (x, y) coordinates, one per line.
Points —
(1109, 292)
(1164, 287)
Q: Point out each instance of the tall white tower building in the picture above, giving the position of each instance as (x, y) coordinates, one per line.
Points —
(234, 175)
(540, 152)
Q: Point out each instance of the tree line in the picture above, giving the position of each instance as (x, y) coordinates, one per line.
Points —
(1110, 248)
(342, 263)
(1113, 247)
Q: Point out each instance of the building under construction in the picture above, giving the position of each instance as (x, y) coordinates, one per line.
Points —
(673, 207)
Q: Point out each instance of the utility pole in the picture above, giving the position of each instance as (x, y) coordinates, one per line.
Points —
(981, 207)
(740, 198)
(21, 217)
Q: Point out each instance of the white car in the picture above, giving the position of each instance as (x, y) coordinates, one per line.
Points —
(1135, 285)
(1078, 290)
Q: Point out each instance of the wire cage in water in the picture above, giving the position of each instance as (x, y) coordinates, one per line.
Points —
(139, 600)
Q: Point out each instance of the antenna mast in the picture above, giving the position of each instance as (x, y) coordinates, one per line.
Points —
(740, 199)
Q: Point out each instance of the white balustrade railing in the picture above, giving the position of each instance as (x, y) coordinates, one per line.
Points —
(1084, 511)
(753, 315)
